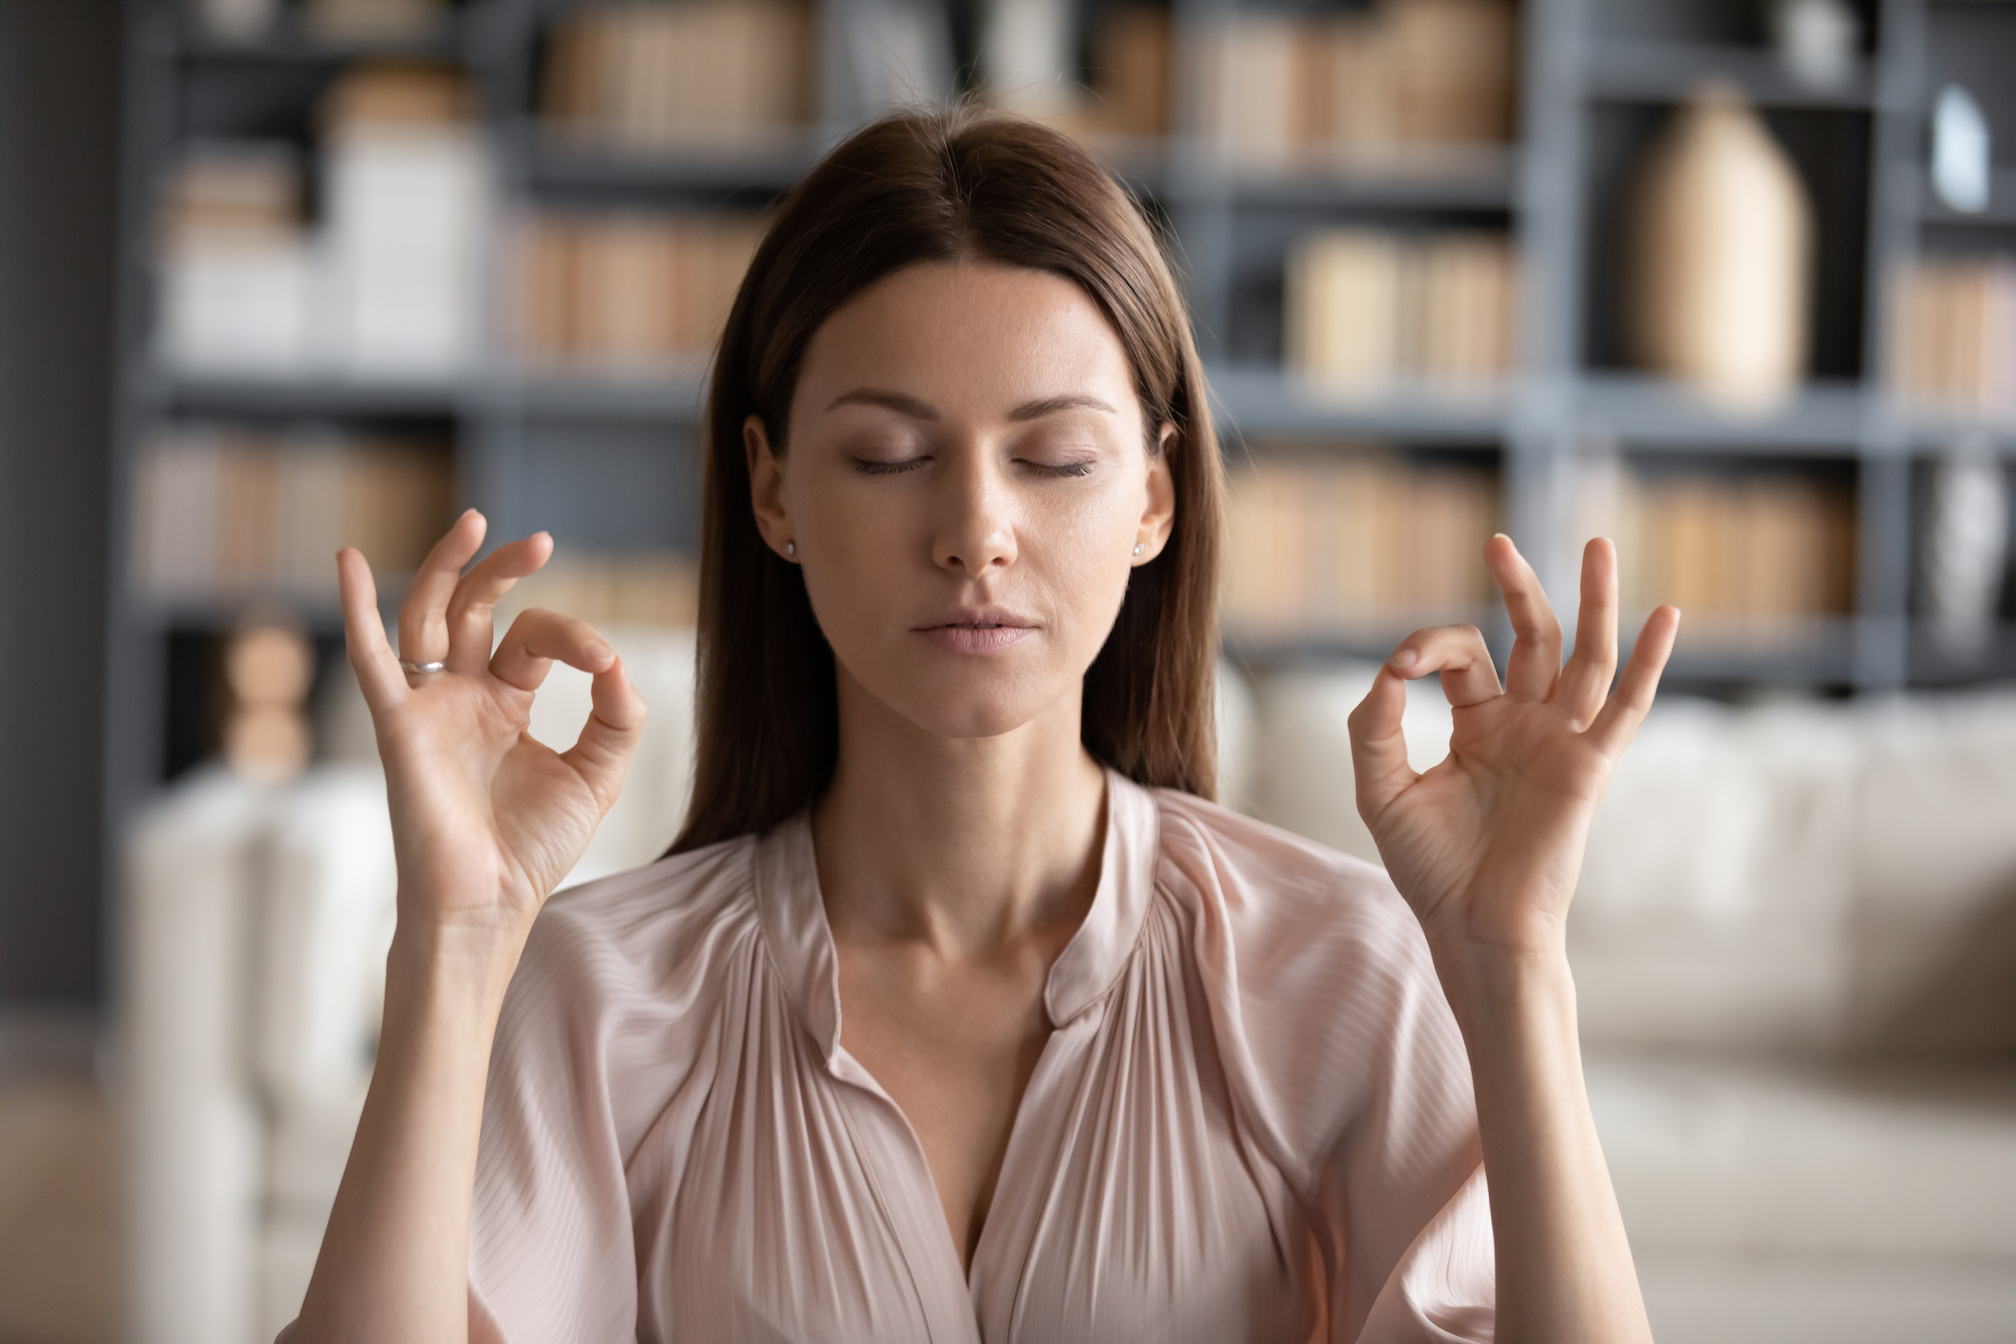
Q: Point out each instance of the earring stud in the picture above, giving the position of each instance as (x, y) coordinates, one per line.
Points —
(1140, 546)
(790, 548)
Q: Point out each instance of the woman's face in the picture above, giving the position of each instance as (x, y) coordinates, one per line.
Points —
(967, 478)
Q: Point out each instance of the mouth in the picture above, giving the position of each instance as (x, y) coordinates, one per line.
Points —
(977, 632)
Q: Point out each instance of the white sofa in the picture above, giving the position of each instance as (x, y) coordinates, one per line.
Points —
(1795, 947)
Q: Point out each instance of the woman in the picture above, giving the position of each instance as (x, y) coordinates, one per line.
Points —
(956, 1011)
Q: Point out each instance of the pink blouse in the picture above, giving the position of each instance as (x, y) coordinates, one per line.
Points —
(1253, 1120)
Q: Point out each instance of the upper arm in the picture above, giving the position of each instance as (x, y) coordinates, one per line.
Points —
(551, 1255)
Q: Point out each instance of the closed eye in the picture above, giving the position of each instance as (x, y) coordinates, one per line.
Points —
(871, 467)
(1083, 468)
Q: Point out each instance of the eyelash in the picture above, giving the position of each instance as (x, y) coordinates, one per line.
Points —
(873, 468)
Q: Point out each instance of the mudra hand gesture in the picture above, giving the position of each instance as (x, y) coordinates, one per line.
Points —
(1487, 845)
(486, 820)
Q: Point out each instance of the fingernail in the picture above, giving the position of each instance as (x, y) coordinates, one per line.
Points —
(599, 651)
(1404, 658)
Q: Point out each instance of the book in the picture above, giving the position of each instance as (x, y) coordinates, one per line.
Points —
(628, 292)
(1370, 87)
(1367, 311)
(223, 512)
(700, 75)
(1335, 540)
(1750, 550)
(1953, 346)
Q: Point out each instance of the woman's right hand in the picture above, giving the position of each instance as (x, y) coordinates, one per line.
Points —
(485, 819)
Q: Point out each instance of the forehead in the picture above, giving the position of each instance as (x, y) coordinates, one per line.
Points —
(971, 336)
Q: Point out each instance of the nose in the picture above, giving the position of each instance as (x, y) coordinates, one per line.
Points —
(976, 530)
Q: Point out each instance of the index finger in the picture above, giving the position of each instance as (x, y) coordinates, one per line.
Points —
(377, 667)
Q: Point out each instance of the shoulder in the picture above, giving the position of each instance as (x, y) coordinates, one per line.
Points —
(625, 966)
(1287, 898)
(638, 930)
(1335, 996)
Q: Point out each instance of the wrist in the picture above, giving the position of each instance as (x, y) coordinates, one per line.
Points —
(1504, 992)
(447, 961)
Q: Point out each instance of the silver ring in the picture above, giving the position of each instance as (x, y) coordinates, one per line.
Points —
(423, 667)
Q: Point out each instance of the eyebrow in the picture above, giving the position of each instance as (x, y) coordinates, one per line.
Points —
(924, 410)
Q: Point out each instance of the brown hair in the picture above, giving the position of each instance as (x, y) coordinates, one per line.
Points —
(913, 187)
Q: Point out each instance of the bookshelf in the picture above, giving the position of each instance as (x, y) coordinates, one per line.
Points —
(603, 453)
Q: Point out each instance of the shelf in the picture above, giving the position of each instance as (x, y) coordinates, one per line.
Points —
(1659, 72)
(299, 396)
(1711, 648)
(680, 397)
(2000, 214)
(288, 43)
(1643, 412)
(1261, 399)
(557, 160)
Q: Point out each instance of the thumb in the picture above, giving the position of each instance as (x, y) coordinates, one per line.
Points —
(601, 755)
(1378, 747)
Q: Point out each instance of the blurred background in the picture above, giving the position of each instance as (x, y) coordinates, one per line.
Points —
(1733, 281)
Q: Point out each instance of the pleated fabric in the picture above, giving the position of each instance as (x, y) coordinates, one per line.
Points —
(1253, 1120)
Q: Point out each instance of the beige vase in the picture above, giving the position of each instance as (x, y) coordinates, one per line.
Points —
(1721, 247)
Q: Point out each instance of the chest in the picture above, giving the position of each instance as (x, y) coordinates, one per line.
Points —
(1125, 1202)
(954, 1051)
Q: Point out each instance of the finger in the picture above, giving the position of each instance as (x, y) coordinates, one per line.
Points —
(470, 631)
(1586, 679)
(602, 754)
(1618, 723)
(1458, 652)
(538, 639)
(1535, 662)
(376, 666)
(423, 616)
(1378, 746)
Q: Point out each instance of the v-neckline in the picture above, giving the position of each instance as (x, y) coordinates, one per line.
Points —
(792, 915)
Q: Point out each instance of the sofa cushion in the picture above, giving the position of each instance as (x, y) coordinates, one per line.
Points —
(1774, 1158)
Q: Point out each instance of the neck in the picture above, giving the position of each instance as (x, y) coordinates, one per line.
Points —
(967, 845)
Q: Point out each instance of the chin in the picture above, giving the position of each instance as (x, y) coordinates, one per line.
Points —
(970, 702)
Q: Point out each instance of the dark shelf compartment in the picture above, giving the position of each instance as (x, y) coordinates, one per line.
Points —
(1632, 71)
(306, 397)
(558, 161)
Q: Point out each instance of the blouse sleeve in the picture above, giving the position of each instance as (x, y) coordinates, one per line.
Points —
(551, 1255)
(1402, 1187)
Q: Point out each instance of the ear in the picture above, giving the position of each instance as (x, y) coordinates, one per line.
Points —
(766, 487)
(1160, 516)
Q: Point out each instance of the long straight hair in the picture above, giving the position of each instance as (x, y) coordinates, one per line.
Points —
(964, 183)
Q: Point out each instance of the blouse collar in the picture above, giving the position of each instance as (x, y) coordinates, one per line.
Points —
(793, 917)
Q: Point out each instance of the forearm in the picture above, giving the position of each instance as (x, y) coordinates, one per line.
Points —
(394, 1260)
(1564, 1264)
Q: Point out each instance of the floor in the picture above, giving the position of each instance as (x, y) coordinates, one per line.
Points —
(58, 1215)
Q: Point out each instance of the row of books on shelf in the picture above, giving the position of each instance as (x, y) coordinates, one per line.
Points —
(628, 293)
(610, 589)
(1359, 539)
(1758, 548)
(707, 75)
(1955, 349)
(1273, 88)
(1367, 310)
(221, 512)
(1373, 86)
(1353, 539)
(388, 281)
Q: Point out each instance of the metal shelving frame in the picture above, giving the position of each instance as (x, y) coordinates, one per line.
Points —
(516, 434)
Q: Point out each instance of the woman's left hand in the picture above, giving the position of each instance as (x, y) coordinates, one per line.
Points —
(1487, 845)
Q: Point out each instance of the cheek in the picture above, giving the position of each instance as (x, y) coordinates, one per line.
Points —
(1085, 548)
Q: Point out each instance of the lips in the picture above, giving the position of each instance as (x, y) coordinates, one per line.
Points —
(977, 630)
